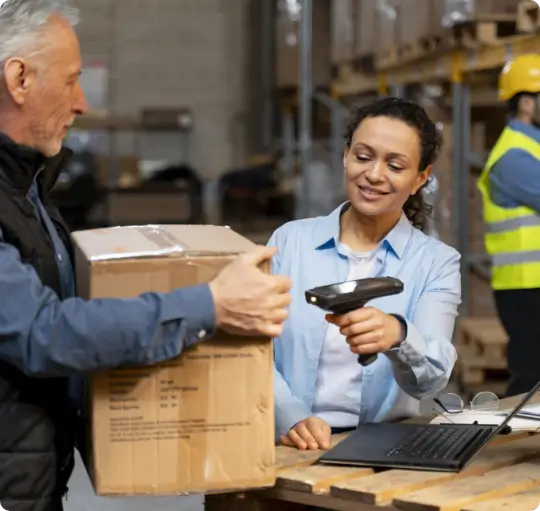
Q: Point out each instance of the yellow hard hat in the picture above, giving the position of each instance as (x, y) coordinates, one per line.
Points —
(520, 75)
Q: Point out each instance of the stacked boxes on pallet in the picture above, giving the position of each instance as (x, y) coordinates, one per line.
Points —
(361, 28)
(456, 11)
(287, 43)
(376, 27)
(347, 30)
(366, 33)
(343, 21)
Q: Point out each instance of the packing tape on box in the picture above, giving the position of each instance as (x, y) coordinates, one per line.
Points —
(160, 237)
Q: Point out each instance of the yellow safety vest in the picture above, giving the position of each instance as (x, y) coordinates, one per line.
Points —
(512, 234)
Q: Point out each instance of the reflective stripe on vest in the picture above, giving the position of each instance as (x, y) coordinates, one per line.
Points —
(512, 235)
(513, 223)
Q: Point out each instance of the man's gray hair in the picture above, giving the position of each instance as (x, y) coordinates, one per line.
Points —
(22, 21)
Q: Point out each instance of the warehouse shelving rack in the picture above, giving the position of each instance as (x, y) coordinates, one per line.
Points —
(457, 67)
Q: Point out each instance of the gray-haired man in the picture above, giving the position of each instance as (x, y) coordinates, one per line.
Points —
(46, 334)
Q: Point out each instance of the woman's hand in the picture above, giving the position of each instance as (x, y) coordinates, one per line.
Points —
(369, 331)
(311, 433)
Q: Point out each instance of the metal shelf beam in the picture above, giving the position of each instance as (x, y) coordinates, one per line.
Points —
(305, 114)
(442, 67)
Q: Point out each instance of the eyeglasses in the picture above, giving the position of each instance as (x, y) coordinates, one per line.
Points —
(483, 401)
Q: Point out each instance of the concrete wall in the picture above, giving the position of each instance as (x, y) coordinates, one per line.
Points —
(177, 53)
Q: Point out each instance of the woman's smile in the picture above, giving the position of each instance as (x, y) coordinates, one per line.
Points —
(371, 194)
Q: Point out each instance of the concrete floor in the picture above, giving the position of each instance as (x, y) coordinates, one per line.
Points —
(82, 498)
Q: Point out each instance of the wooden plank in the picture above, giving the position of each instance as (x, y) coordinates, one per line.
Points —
(455, 495)
(476, 376)
(486, 331)
(482, 322)
(292, 458)
(471, 361)
(482, 351)
(483, 31)
(522, 501)
(528, 18)
(318, 478)
(383, 487)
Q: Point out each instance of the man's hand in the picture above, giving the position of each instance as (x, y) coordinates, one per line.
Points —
(311, 433)
(249, 301)
(369, 331)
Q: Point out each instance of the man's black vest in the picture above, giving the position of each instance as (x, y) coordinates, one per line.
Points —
(37, 422)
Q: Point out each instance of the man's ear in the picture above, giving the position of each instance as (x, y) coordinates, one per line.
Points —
(17, 78)
(421, 179)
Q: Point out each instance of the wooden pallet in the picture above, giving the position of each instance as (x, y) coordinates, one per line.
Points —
(482, 31)
(475, 371)
(365, 63)
(424, 47)
(506, 472)
(481, 364)
(411, 51)
(468, 34)
(528, 16)
(483, 338)
(434, 43)
(387, 58)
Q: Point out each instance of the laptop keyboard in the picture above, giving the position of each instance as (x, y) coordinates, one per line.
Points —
(433, 443)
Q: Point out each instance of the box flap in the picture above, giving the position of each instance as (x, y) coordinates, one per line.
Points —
(139, 241)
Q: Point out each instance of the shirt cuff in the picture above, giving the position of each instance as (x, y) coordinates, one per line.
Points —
(196, 305)
(288, 414)
(411, 351)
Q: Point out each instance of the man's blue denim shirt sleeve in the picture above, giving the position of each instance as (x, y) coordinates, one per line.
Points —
(44, 336)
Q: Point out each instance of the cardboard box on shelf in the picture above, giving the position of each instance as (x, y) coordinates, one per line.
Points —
(201, 423)
(364, 39)
(383, 25)
(413, 21)
(386, 25)
(457, 11)
(288, 41)
(343, 18)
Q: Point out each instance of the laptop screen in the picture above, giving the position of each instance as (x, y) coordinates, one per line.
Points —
(516, 409)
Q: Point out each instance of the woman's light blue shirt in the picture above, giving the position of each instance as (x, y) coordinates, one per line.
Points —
(309, 253)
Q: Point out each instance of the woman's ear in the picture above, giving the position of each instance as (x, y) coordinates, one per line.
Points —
(345, 154)
(421, 179)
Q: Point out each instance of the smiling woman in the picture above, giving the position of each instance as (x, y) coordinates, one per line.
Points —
(390, 148)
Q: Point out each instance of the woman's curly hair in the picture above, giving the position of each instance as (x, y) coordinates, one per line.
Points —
(412, 114)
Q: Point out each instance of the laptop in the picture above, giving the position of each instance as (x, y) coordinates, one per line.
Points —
(437, 447)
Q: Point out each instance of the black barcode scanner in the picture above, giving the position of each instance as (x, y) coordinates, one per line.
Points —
(345, 297)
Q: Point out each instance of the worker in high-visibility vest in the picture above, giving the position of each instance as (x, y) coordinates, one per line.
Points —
(510, 186)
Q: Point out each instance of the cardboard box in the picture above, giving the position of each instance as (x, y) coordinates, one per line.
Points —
(201, 423)
(365, 26)
(457, 11)
(413, 21)
(386, 21)
(287, 45)
(343, 18)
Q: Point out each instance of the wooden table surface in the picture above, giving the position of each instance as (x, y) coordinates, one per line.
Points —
(504, 476)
